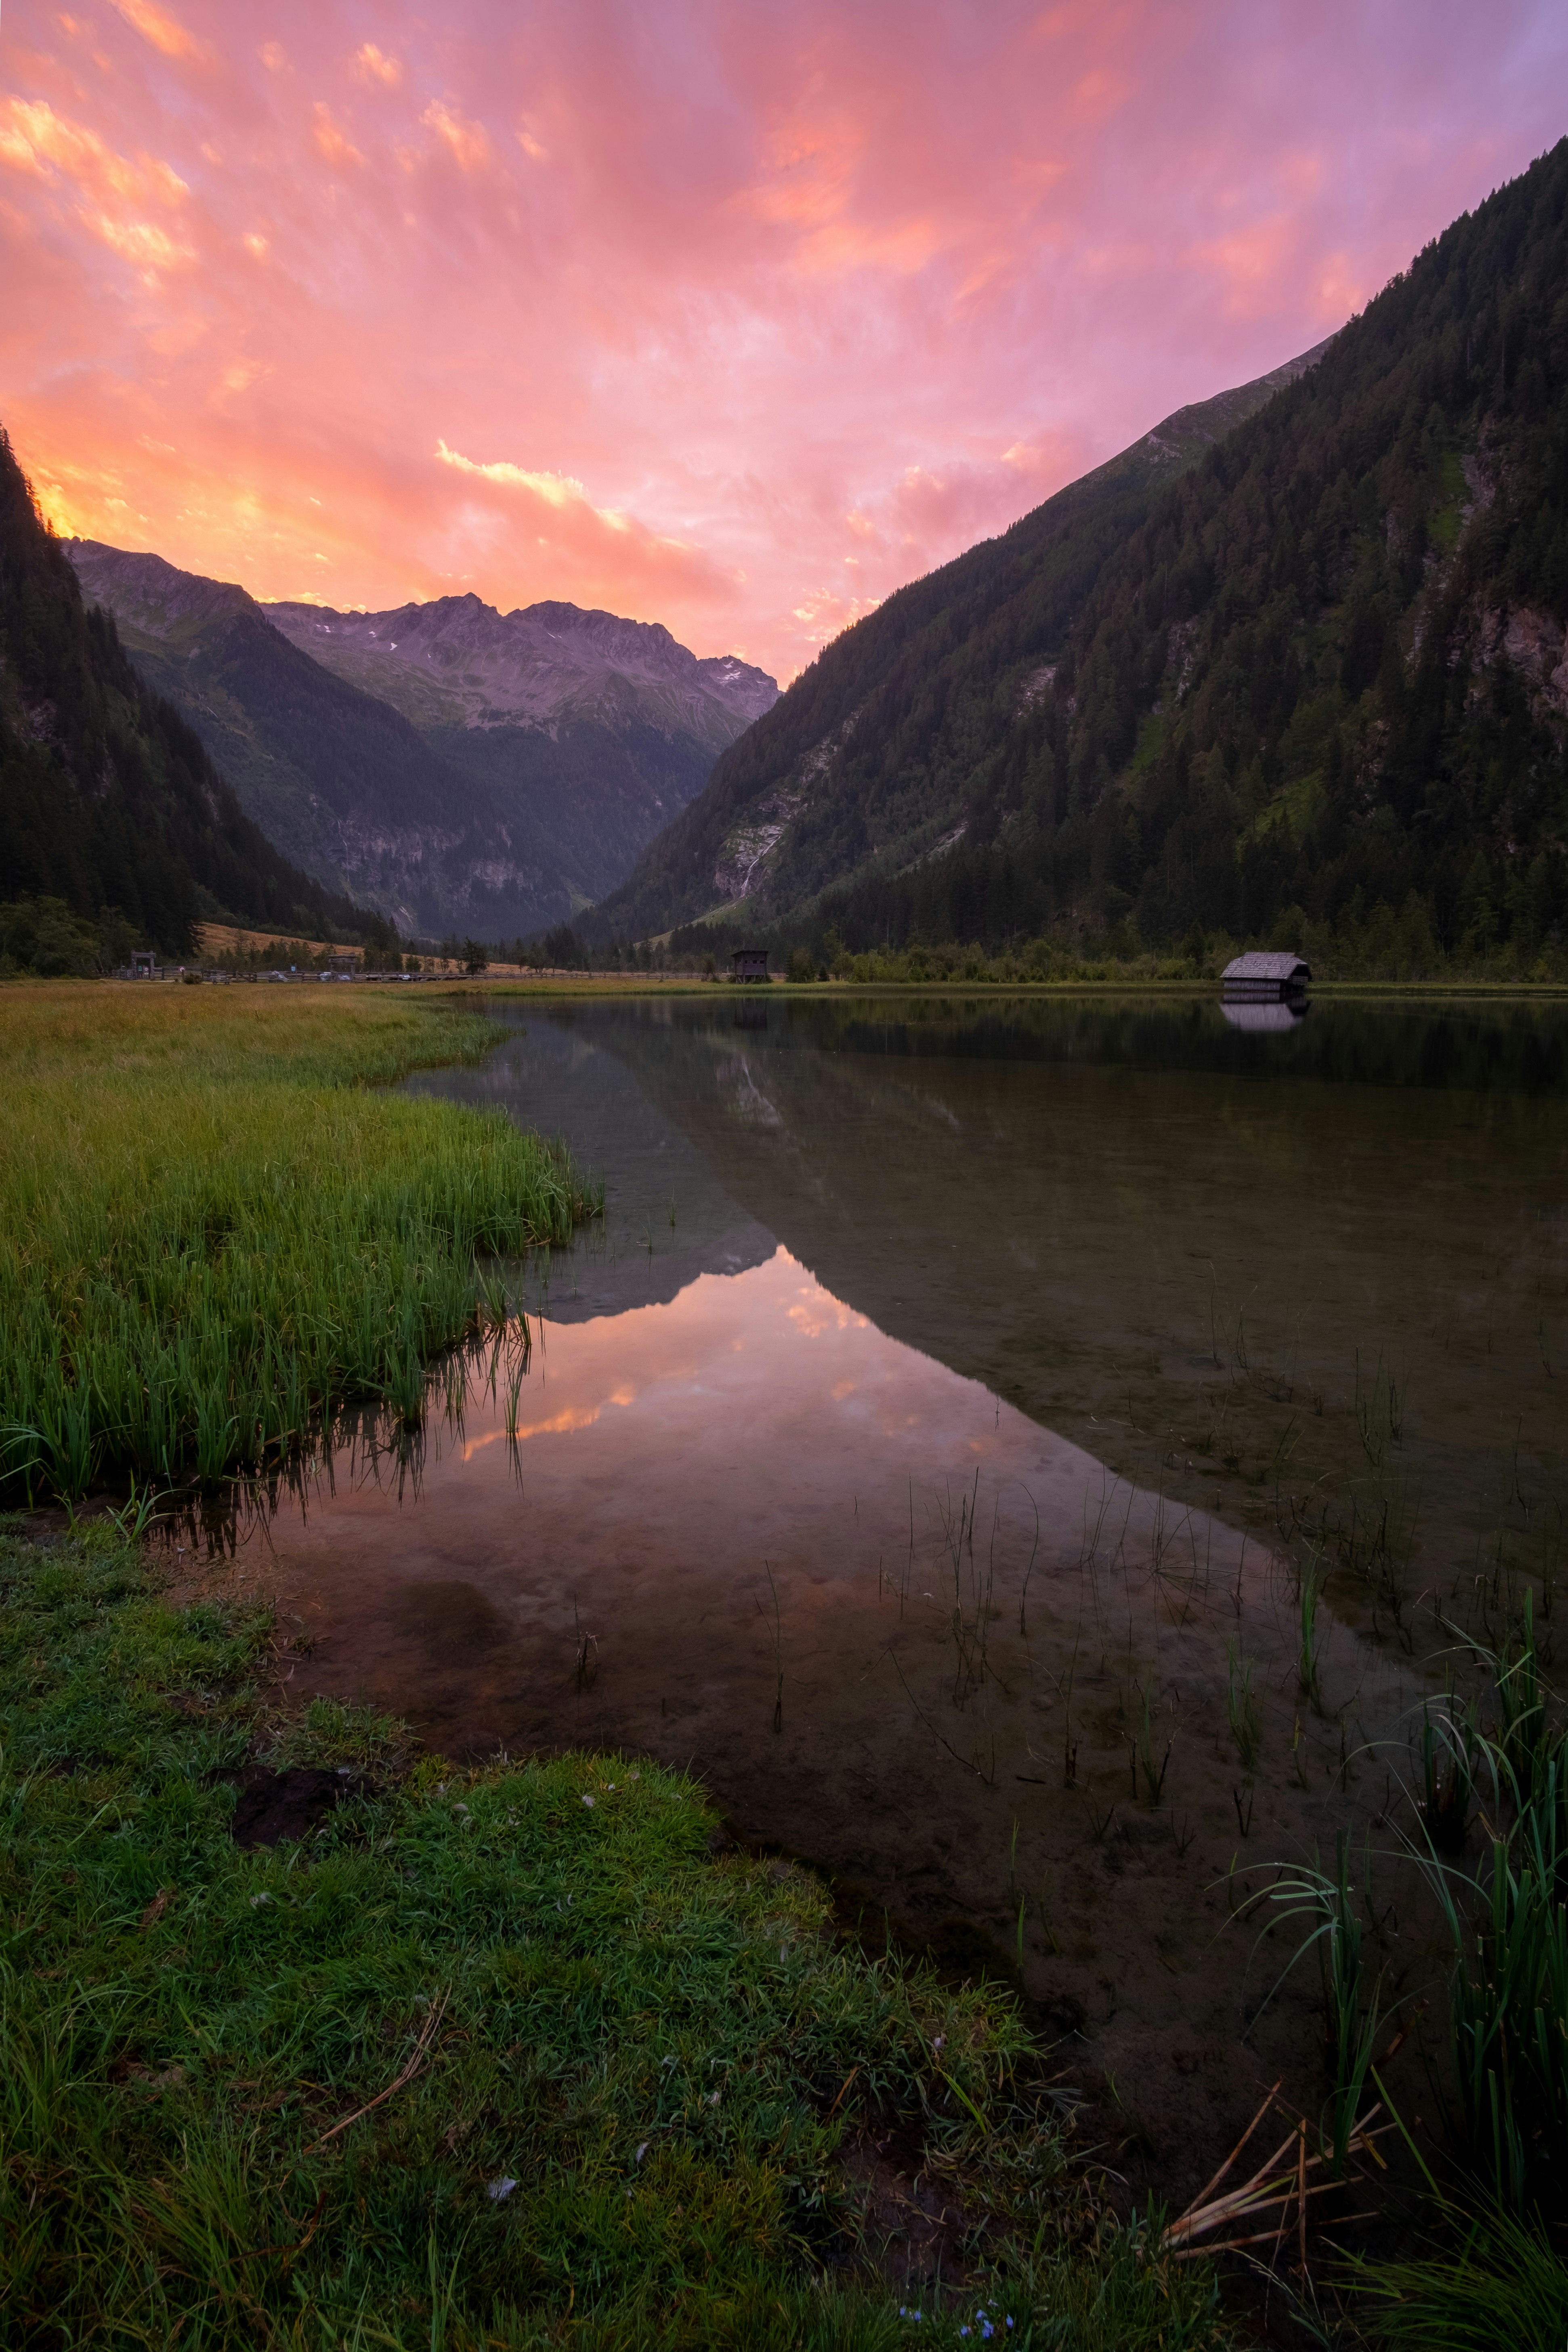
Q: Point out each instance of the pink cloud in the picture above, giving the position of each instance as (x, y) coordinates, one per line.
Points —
(731, 318)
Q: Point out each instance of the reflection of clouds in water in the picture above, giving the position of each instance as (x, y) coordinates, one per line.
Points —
(555, 1425)
(822, 1312)
(669, 1448)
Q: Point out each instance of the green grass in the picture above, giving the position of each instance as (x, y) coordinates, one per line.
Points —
(1503, 2284)
(212, 1226)
(661, 2049)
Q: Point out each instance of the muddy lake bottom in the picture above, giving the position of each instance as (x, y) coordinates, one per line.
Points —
(929, 1447)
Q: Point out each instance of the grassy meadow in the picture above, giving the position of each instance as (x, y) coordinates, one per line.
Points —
(216, 1223)
(493, 2058)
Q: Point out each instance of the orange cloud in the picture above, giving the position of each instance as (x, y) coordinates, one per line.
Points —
(155, 25)
(558, 491)
(35, 138)
(374, 66)
(466, 142)
(332, 144)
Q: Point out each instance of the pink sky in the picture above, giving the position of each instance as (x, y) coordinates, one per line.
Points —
(733, 317)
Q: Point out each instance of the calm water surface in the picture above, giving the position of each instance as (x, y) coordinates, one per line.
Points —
(941, 1419)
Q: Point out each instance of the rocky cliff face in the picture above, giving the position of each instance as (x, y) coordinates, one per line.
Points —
(452, 766)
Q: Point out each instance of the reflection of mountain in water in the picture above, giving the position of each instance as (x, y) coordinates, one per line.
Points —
(1165, 1259)
(668, 1217)
(588, 1281)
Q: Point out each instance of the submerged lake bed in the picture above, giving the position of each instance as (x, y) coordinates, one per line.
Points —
(1034, 1460)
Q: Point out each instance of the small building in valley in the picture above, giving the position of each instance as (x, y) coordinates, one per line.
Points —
(1264, 977)
(749, 963)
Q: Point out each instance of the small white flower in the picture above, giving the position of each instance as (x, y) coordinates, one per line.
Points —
(589, 1802)
(259, 1898)
(500, 2190)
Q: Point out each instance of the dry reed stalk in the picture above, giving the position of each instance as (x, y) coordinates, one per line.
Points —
(1279, 2185)
(421, 2049)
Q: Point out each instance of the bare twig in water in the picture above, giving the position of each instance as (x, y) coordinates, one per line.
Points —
(778, 1648)
(968, 1763)
(588, 1652)
(1024, 1595)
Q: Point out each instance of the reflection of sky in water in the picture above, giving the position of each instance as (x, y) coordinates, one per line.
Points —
(669, 1448)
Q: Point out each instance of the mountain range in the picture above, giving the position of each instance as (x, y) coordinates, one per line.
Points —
(451, 766)
(1293, 661)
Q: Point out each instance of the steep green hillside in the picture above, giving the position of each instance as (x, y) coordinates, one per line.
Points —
(1319, 673)
(861, 766)
(300, 746)
(336, 778)
(108, 805)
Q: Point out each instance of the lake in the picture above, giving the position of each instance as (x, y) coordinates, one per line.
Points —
(932, 1447)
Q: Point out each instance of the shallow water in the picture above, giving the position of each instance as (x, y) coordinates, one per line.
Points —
(941, 1416)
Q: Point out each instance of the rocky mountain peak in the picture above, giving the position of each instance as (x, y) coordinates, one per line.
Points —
(458, 661)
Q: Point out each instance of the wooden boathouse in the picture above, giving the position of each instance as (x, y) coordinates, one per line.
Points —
(1266, 977)
(749, 963)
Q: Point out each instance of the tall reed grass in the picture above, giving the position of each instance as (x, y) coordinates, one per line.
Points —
(214, 1225)
(1506, 1917)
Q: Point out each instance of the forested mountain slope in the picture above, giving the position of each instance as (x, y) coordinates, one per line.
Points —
(1321, 672)
(109, 803)
(455, 768)
(849, 772)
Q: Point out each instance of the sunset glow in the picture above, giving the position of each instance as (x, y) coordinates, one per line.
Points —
(731, 317)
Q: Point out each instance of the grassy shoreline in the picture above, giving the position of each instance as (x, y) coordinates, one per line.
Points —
(1407, 992)
(216, 1224)
(270, 2097)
